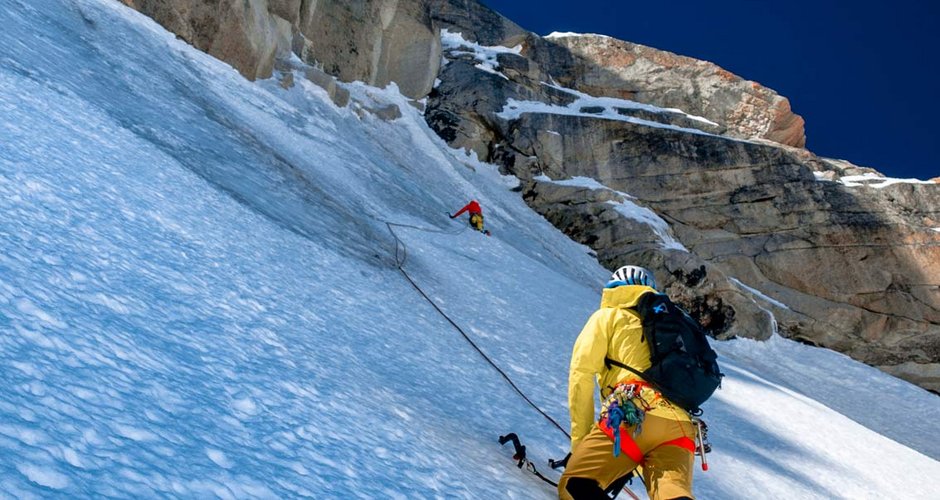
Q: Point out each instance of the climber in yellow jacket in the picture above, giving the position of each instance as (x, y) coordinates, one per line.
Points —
(663, 442)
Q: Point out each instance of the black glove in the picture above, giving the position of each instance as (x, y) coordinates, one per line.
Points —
(556, 464)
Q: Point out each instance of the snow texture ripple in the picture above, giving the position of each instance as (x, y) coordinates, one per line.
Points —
(199, 298)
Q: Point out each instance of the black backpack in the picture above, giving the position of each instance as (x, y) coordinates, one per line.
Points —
(684, 367)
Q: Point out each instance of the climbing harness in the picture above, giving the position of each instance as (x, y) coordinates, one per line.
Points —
(624, 408)
(620, 408)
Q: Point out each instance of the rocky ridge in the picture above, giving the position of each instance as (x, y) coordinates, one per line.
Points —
(615, 68)
(696, 173)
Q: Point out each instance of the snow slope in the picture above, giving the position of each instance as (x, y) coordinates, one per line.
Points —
(199, 297)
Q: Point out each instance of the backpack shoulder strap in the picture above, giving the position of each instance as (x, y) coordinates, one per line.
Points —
(613, 362)
(646, 302)
(650, 306)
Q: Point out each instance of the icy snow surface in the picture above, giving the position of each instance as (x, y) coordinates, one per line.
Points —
(199, 298)
(569, 34)
(579, 181)
(760, 295)
(515, 108)
(869, 180)
(589, 100)
(485, 55)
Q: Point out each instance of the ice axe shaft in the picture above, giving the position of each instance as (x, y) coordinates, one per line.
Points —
(519, 449)
(701, 444)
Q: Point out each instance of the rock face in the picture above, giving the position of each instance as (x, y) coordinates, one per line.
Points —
(762, 235)
(479, 23)
(244, 34)
(374, 41)
(857, 270)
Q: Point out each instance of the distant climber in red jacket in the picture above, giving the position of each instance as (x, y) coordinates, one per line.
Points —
(476, 216)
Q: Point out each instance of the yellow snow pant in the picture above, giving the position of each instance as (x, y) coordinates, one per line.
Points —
(666, 469)
(476, 221)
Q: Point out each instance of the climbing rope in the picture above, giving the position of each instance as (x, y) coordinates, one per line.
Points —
(401, 251)
(401, 254)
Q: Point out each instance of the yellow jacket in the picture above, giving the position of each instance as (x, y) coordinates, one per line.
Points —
(613, 331)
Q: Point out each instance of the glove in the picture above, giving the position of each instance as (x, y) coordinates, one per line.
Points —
(557, 464)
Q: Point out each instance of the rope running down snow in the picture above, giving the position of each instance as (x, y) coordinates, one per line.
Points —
(401, 254)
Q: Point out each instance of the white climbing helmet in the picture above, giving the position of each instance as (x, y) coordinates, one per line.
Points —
(634, 275)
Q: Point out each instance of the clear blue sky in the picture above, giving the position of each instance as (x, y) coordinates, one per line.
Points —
(865, 75)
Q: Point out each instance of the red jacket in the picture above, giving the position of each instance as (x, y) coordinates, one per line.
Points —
(473, 207)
